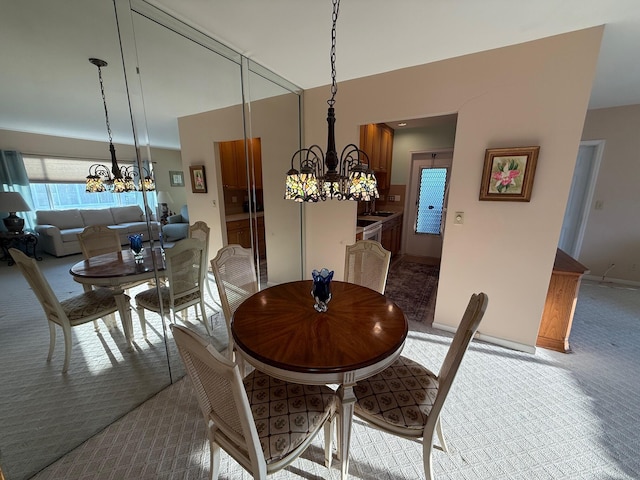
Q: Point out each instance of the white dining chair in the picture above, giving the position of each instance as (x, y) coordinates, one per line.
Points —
(366, 263)
(185, 270)
(71, 312)
(235, 274)
(263, 423)
(406, 399)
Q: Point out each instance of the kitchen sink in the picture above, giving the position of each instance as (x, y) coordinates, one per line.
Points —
(366, 223)
(382, 214)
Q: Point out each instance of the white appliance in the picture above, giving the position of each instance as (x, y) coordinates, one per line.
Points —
(371, 230)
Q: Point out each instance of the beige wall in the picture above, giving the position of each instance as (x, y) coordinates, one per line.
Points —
(530, 94)
(613, 233)
(275, 121)
(415, 140)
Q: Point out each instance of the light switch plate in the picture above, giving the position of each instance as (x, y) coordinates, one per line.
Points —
(458, 218)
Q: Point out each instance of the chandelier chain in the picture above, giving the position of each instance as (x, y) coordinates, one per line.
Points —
(334, 85)
(104, 101)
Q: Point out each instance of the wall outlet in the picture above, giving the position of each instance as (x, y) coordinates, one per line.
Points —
(391, 198)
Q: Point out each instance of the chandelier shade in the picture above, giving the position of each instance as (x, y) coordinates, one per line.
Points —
(319, 177)
(116, 180)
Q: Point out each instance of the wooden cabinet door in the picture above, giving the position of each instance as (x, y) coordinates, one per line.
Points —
(240, 164)
(386, 148)
(228, 164)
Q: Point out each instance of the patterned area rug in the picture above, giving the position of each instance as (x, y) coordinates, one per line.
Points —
(413, 286)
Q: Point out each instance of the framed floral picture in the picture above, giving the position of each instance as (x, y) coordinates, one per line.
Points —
(508, 173)
(198, 180)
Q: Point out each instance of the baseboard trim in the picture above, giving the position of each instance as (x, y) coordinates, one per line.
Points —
(493, 340)
(617, 281)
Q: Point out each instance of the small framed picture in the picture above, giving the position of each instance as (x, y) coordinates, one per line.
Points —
(176, 178)
(508, 173)
(198, 179)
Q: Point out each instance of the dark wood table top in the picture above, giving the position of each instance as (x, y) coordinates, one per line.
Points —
(118, 265)
(280, 327)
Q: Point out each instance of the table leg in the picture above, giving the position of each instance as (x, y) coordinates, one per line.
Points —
(347, 401)
(125, 316)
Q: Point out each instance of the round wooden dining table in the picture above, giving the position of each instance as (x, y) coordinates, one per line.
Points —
(278, 331)
(116, 270)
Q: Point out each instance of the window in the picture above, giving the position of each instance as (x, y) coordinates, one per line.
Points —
(431, 198)
(59, 183)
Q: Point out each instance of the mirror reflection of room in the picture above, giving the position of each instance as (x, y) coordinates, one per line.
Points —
(44, 411)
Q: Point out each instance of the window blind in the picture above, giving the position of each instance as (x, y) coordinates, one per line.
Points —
(60, 170)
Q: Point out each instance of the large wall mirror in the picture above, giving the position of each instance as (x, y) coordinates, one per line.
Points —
(162, 77)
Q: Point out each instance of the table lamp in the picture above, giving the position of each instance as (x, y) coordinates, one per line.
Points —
(163, 199)
(13, 202)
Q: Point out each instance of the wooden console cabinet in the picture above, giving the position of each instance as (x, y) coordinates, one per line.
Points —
(560, 305)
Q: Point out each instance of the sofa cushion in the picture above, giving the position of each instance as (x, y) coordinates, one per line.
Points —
(129, 214)
(60, 218)
(70, 234)
(98, 216)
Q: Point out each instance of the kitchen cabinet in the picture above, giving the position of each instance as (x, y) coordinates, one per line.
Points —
(392, 235)
(376, 140)
(234, 166)
(239, 232)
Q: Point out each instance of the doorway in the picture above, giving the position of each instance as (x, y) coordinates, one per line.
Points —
(583, 184)
(427, 203)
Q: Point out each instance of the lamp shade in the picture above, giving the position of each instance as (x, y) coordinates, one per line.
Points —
(13, 202)
(164, 197)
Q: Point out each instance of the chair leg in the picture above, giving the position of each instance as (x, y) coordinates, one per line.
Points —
(443, 443)
(328, 437)
(427, 447)
(143, 322)
(52, 340)
(67, 348)
(214, 469)
(205, 320)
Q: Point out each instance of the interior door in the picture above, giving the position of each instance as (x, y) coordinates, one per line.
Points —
(417, 242)
(580, 197)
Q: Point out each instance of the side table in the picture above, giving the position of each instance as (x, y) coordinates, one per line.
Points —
(28, 241)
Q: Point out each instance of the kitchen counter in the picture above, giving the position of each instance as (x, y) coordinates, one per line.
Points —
(376, 218)
(241, 216)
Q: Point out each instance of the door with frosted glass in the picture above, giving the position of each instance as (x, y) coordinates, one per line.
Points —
(428, 189)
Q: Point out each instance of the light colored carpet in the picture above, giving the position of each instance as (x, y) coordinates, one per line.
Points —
(45, 414)
(510, 415)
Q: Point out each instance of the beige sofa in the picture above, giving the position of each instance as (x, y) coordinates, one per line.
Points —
(58, 229)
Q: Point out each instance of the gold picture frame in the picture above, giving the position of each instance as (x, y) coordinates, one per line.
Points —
(198, 179)
(508, 174)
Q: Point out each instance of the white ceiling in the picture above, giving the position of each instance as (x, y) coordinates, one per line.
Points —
(292, 37)
(51, 88)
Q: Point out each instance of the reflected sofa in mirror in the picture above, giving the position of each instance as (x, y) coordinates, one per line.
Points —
(44, 414)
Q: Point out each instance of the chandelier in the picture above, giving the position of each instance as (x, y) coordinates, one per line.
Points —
(118, 180)
(321, 177)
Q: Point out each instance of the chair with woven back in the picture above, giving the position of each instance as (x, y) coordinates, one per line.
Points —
(406, 398)
(97, 240)
(235, 274)
(261, 422)
(72, 312)
(200, 230)
(185, 271)
(366, 263)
